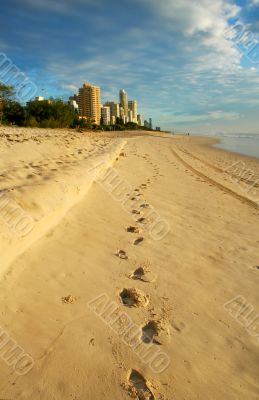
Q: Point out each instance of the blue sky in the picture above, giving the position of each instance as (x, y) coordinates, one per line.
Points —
(178, 58)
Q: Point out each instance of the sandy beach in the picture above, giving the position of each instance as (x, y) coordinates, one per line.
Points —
(129, 267)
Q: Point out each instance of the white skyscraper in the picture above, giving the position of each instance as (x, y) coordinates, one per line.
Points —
(133, 106)
(124, 102)
(106, 116)
(114, 107)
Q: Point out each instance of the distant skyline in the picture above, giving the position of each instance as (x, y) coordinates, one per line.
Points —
(172, 56)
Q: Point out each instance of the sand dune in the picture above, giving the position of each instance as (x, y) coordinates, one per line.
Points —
(52, 176)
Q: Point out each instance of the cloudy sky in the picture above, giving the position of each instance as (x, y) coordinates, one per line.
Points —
(193, 65)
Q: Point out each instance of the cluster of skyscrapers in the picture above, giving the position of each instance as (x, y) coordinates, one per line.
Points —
(88, 104)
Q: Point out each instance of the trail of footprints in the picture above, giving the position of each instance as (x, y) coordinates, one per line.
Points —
(153, 331)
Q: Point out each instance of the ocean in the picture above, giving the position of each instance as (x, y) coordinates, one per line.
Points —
(246, 144)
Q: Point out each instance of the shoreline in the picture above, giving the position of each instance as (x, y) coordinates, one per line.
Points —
(237, 153)
(213, 141)
(218, 141)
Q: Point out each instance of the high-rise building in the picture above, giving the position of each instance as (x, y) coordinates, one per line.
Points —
(105, 113)
(130, 116)
(114, 107)
(150, 123)
(133, 106)
(113, 120)
(89, 102)
(140, 120)
(124, 102)
(122, 115)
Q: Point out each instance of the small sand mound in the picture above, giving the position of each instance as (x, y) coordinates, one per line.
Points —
(69, 299)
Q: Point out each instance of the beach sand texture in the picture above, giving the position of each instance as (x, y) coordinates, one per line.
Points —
(95, 263)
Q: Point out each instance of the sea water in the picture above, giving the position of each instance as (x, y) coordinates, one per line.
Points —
(247, 144)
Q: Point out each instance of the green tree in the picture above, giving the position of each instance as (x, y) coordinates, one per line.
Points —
(13, 113)
(131, 126)
(50, 114)
(119, 121)
(6, 92)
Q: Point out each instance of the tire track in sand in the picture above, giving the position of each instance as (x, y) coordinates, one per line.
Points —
(223, 171)
(225, 189)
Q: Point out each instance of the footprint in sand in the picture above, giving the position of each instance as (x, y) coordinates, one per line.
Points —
(143, 186)
(144, 205)
(121, 254)
(133, 229)
(138, 241)
(30, 176)
(134, 298)
(150, 333)
(143, 274)
(156, 332)
(135, 212)
(141, 220)
(139, 388)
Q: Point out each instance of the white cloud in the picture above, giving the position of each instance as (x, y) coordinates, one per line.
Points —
(206, 21)
(193, 17)
(229, 116)
(254, 3)
(70, 87)
(183, 52)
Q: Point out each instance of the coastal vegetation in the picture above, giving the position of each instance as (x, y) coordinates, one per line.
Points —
(52, 113)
